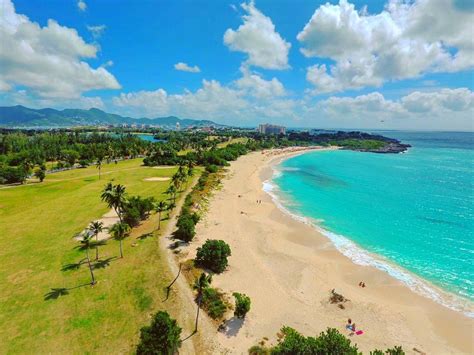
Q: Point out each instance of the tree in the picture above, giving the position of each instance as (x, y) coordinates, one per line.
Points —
(40, 174)
(202, 282)
(171, 191)
(115, 197)
(95, 228)
(161, 337)
(186, 228)
(242, 304)
(99, 165)
(160, 207)
(119, 232)
(213, 255)
(86, 244)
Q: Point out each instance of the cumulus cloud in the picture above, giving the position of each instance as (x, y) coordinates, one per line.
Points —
(184, 67)
(47, 59)
(211, 100)
(81, 5)
(96, 31)
(258, 38)
(405, 40)
(439, 103)
(254, 85)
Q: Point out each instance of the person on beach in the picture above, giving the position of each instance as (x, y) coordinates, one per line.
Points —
(349, 324)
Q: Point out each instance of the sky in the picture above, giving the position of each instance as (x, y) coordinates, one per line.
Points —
(400, 64)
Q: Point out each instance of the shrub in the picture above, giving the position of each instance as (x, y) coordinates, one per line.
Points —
(137, 209)
(242, 304)
(212, 302)
(161, 337)
(40, 174)
(213, 255)
(211, 168)
(185, 231)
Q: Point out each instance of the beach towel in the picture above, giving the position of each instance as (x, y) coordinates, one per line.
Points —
(359, 332)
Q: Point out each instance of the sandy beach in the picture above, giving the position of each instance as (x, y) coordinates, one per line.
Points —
(289, 269)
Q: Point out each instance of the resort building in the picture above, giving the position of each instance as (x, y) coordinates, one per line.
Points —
(271, 129)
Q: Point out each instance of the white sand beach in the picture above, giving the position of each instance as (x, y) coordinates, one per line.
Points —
(289, 269)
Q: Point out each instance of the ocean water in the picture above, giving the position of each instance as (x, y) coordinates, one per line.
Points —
(411, 214)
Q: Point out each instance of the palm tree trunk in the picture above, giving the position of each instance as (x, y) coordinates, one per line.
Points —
(121, 250)
(90, 267)
(197, 314)
(159, 220)
(97, 247)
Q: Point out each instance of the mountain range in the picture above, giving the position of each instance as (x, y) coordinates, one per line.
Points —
(21, 116)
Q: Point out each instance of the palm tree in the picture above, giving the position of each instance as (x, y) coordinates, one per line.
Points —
(120, 231)
(86, 244)
(99, 165)
(115, 197)
(170, 207)
(199, 285)
(95, 228)
(172, 192)
(160, 207)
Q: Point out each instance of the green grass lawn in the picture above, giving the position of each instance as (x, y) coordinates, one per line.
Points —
(37, 225)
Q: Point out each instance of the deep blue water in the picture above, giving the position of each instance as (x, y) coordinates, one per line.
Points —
(414, 210)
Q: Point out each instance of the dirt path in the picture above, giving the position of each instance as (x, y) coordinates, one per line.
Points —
(204, 341)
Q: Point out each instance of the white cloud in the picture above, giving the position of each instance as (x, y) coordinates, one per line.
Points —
(211, 100)
(441, 103)
(184, 67)
(258, 39)
(96, 31)
(406, 40)
(82, 6)
(47, 59)
(254, 85)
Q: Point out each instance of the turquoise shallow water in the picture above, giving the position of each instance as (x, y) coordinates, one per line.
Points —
(414, 210)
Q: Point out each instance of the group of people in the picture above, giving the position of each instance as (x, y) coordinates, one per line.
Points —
(362, 284)
(259, 202)
(352, 328)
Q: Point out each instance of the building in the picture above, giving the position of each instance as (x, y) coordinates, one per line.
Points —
(271, 129)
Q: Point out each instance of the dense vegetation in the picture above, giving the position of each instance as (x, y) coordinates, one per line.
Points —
(328, 342)
(242, 304)
(213, 255)
(21, 151)
(161, 337)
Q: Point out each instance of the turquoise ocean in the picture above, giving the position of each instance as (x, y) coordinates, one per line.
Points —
(410, 215)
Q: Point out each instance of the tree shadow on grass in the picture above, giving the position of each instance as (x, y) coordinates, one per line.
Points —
(55, 293)
(102, 264)
(145, 236)
(73, 266)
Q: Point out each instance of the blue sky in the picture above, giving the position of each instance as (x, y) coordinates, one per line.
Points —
(355, 64)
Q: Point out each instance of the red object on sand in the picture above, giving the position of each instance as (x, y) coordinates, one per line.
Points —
(359, 332)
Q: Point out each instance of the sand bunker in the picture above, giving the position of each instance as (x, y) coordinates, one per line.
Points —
(163, 167)
(108, 220)
(157, 179)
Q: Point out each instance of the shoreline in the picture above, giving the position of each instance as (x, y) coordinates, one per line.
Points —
(361, 256)
(288, 269)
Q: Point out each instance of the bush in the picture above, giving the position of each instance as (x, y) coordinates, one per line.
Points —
(161, 337)
(10, 175)
(242, 304)
(212, 302)
(329, 342)
(211, 168)
(186, 230)
(137, 209)
(213, 255)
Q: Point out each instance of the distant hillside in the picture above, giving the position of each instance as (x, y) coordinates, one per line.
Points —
(20, 116)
